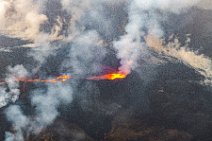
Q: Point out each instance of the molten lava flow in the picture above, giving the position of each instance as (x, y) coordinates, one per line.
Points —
(109, 76)
(112, 75)
(61, 78)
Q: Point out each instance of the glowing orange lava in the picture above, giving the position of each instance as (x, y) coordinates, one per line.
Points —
(109, 76)
(115, 75)
(61, 78)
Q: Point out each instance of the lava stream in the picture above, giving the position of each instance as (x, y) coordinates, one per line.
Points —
(116, 75)
(61, 78)
(109, 76)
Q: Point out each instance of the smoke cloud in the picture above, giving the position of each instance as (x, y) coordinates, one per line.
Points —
(143, 19)
(20, 18)
(205, 4)
(20, 123)
(81, 34)
(10, 90)
(46, 104)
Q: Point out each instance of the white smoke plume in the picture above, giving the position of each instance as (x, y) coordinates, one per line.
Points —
(84, 41)
(20, 18)
(143, 17)
(90, 44)
(76, 9)
(11, 92)
(24, 19)
(46, 104)
(19, 124)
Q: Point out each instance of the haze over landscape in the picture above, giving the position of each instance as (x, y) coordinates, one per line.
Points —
(105, 70)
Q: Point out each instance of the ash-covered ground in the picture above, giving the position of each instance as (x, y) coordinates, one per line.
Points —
(163, 47)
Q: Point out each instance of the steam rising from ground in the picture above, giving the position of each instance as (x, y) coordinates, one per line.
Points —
(20, 18)
(46, 104)
(83, 32)
(143, 19)
(11, 92)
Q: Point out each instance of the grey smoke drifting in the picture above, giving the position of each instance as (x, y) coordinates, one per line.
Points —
(19, 124)
(86, 53)
(20, 18)
(81, 33)
(13, 92)
(143, 19)
(46, 104)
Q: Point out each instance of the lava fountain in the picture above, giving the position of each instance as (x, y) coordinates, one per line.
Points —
(109, 76)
